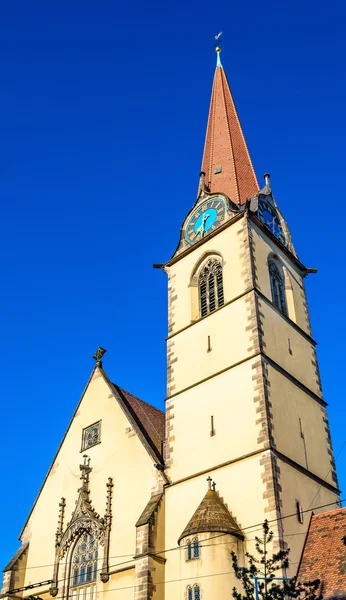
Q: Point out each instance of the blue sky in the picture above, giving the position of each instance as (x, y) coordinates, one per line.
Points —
(103, 109)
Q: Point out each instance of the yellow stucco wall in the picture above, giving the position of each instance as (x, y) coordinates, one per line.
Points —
(120, 455)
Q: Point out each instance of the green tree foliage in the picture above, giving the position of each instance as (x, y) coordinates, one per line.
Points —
(266, 568)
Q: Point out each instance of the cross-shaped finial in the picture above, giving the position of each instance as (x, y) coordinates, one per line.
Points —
(209, 480)
(98, 356)
(86, 470)
(213, 485)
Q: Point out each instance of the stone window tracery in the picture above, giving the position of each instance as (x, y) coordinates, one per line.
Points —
(84, 561)
(210, 286)
(91, 435)
(277, 285)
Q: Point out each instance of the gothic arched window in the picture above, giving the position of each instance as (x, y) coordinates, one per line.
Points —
(84, 563)
(195, 548)
(210, 286)
(277, 284)
(192, 548)
(193, 593)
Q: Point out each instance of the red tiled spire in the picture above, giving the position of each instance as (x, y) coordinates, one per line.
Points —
(225, 145)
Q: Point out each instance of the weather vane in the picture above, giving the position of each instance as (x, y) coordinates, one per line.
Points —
(218, 42)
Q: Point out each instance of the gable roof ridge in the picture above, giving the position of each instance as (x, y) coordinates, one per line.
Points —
(140, 399)
(143, 433)
(58, 450)
(17, 556)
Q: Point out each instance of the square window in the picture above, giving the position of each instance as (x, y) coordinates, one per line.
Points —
(91, 436)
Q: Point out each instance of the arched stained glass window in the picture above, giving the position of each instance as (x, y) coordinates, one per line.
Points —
(189, 550)
(277, 284)
(210, 285)
(189, 593)
(84, 562)
(196, 593)
(195, 548)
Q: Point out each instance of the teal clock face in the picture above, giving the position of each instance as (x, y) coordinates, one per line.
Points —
(269, 217)
(206, 218)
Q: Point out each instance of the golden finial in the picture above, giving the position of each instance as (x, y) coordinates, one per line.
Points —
(218, 48)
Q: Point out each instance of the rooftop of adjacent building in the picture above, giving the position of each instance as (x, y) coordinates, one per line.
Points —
(324, 554)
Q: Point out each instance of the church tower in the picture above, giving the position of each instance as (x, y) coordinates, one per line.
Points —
(244, 400)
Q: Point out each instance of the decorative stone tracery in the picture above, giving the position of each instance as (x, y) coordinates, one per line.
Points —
(84, 520)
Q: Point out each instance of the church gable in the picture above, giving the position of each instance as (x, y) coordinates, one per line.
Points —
(115, 440)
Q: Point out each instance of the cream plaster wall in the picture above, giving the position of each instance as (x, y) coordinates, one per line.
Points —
(289, 404)
(229, 342)
(227, 244)
(296, 486)
(279, 337)
(263, 247)
(213, 571)
(229, 399)
(240, 485)
(119, 455)
(120, 585)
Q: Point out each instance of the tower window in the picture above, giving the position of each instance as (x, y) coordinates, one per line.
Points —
(277, 285)
(193, 549)
(91, 435)
(193, 593)
(210, 285)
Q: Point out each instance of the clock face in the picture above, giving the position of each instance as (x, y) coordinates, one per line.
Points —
(269, 217)
(206, 218)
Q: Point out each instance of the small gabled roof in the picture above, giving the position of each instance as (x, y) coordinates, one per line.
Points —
(16, 557)
(324, 554)
(212, 515)
(150, 509)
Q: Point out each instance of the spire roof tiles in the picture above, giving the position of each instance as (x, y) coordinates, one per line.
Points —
(226, 161)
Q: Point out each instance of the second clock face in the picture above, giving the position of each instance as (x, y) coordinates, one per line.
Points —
(269, 217)
(205, 219)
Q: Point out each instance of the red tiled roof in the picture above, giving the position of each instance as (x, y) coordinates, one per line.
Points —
(324, 554)
(225, 147)
(150, 419)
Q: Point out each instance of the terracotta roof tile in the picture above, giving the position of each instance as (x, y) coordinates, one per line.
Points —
(225, 147)
(324, 554)
(151, 419)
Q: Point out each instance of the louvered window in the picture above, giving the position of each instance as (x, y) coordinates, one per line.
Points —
(277, 285)
(210, 284)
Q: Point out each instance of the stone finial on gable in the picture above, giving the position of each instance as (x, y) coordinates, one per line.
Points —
(98, 356)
